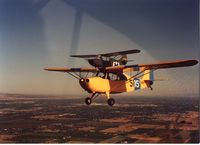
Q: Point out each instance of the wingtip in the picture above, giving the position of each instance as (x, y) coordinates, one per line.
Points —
(135, 50)
(46, 69)
(138, 50)
(195, 62)
(192, 62)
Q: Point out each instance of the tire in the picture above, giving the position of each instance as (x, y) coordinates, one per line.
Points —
(111, 102)
(88, 101)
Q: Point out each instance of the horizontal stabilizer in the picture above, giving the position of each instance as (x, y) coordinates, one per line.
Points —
(160, 79)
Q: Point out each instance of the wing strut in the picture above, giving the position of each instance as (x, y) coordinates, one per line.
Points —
(77, 77)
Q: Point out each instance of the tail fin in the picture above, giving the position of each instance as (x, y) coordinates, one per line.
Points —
(147, 79)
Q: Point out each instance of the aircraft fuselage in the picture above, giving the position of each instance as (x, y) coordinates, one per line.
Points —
(96, 62)
(102, 85)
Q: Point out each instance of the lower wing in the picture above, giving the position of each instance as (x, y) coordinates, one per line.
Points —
(172, 64)
(138, 67)
(162, 65)
(72, 69)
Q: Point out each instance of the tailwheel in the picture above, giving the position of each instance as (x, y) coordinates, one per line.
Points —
(88, 101)
(111, 101)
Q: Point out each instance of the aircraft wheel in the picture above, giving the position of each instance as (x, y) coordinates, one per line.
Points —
(111, 101)
(88, 101)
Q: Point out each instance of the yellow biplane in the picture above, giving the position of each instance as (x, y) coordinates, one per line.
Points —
(110, 74)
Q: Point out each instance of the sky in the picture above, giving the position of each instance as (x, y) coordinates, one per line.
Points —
(35, 34)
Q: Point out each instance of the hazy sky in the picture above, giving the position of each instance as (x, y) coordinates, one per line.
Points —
(43, 33)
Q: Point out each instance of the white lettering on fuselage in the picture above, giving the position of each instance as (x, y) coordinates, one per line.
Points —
(116, 63)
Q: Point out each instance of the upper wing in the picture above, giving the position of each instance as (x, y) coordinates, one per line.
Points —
(139, 67)
(109, 54)
(84, 56)
(72, 69)
(121, 53)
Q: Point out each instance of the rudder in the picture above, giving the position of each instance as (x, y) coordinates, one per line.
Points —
(147, 79)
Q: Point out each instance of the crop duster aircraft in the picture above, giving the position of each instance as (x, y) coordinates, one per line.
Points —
(110, 74)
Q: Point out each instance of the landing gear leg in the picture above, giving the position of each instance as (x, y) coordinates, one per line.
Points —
(88, 100)
(110, 101)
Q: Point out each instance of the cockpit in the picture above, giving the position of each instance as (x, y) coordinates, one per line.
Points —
(113, 76)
